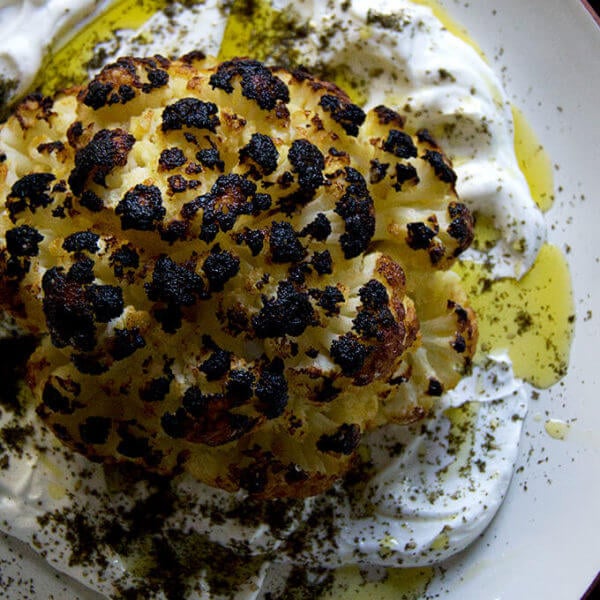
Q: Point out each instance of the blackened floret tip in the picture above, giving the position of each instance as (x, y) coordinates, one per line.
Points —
(125, 342)
(23, 241)
(419, 236)
(284, 243)
(80, 241)
(319, 228)
(220, 266)
(217, 365)
(174, 284)
(289, 313)
(343, 441)
(308, 162)
(272, 393)
(357, 209)
(400, 144)
(374, 295)
(262, 151)
(190, 112)
(31, 191)
(441, 168)
(141, 208)
(349, 354)
(108, 149)
(348, 115)
(257, 82)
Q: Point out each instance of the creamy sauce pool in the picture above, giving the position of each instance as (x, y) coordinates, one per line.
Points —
(421, 493)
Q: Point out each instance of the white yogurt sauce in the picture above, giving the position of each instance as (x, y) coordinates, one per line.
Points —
(429, 495)
(29, 27)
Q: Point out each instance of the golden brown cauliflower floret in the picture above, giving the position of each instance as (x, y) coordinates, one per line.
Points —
(232, 270)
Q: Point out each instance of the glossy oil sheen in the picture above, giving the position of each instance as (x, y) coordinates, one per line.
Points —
(406, 584)
(67, 65)
(531, 318)
(533, 161)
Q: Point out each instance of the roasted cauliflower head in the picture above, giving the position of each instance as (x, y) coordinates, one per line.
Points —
(231, 269)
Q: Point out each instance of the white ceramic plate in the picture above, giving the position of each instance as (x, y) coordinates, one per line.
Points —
(545, 541)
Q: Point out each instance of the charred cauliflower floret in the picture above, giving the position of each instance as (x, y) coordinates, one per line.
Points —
(232, 270)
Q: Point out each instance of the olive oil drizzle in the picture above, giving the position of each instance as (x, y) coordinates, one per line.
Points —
(408, 584)
(67, 66)
(533, 161)
(531, 319)
(255, 29)
(455, 28)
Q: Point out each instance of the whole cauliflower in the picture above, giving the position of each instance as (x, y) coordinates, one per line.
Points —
(233, 271)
